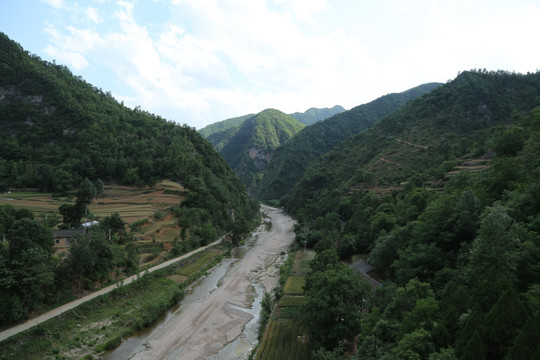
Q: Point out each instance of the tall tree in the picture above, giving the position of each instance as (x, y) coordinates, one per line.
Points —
(334, 304)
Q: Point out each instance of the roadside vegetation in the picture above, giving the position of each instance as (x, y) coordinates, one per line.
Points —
(102, 323)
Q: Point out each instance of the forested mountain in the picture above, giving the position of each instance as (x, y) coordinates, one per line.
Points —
(250, 146)
(221, 126)
(217, 132)
(58, 129)
(442, 197)
(291, 160)
(313, 115)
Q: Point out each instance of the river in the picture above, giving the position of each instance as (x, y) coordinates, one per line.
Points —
(218, 318)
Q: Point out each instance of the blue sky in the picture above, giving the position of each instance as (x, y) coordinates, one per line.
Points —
(201, 61)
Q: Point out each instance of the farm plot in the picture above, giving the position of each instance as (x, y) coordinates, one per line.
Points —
(284, 339)
(198, 264)
(131, 203)
(290, 301)
(295, 285)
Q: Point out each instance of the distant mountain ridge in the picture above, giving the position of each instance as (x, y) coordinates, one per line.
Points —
(223, 125)
(292, 159)
(248, 147)
(308, 117)
(313, 115)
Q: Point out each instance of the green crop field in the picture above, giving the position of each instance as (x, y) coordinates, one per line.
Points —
(290, 301)
(295, 285)
(283, 340)
(198, 264)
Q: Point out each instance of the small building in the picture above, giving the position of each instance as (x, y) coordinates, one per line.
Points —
(367, 271)
(63, 239)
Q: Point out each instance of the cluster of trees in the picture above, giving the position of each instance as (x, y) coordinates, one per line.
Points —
(460, 257)
(31, 276)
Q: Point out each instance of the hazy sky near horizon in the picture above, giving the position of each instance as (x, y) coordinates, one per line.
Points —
(201, 61)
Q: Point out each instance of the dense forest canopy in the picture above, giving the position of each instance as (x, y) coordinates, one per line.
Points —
(442, 198)
(290, 160)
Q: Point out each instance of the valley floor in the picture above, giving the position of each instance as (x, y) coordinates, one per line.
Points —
(215, 318)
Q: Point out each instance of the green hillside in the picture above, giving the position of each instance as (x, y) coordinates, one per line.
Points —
(221, 126)
(57, 130)
(292, 159)
(219, 133)
(251, 147)
(313, 115)
(442, 198)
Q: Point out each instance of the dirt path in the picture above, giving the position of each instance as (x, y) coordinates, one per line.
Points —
(66, 307)
(205, 326)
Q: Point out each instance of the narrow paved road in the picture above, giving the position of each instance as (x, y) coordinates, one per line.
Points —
(62, 309)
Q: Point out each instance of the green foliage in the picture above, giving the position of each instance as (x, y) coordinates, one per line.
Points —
(219, 128)
(313, 115)
(267, 304)
(333, 304)
(195, 266)
(282, 340)
(455, 243)
(109, 344)
(291, 160)
(294, 285)
(249, 146)
(26, 264)
(91, 258)
(60, 133)
(290, 301)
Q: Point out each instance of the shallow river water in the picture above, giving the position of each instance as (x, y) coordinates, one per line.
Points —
(219, 316)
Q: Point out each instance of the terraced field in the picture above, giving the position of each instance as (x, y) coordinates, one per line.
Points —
(285, 337)
(148, 205)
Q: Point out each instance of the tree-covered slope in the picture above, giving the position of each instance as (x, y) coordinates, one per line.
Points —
(251, 147)
(442, 197)
(220, 132)
(292, 159)
(420, 141)
(58, 129)
(313, 115)
(214, 132)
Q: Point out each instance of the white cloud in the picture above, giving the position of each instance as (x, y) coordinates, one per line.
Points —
(221, 58)
(93, 15)
(54, 3)
(69, 48)
(303, 9)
